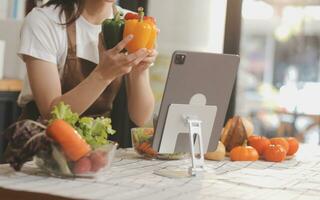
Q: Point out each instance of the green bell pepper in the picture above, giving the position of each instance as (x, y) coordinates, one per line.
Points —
(112, 30)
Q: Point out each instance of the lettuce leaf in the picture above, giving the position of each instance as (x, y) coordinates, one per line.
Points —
(63, 111)
(95, 131)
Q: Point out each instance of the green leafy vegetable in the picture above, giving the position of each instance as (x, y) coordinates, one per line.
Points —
(63, 111)
(94, 131)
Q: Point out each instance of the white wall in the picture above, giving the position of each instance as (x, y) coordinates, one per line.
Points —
(10, 33)
(190, 24)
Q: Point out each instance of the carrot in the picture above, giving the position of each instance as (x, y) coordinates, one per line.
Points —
(69, 139)
(151, 152)
(147, 149)
(144, 146)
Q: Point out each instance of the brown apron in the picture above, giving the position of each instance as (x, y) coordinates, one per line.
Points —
(77, 69)
(111, 103)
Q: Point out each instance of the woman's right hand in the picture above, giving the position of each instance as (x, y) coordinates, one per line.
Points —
(113, 63)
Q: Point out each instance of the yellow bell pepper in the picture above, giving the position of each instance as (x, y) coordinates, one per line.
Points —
(144, 31)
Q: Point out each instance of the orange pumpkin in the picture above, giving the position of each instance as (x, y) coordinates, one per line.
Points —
(259, 143)
(293, 145)
(274, 153)
(235, 133)
(281, 141)
(244, 153)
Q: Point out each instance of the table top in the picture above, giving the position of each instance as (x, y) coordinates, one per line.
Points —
(131, 177)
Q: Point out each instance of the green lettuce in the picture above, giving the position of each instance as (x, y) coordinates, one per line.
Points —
(94, 131)
(63, 111)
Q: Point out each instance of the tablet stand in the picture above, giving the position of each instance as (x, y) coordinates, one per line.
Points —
(195, 130)
(195, 122)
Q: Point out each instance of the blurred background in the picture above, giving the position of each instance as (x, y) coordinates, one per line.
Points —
(278, 80)
(278, 41)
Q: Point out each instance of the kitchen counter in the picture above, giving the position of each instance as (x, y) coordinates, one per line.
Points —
(131, 177)
(10, 85)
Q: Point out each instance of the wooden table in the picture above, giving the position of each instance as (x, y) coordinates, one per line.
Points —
(133, 178)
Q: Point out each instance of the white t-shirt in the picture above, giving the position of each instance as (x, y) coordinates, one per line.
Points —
(43, 37)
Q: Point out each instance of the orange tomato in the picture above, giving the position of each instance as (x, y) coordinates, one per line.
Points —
(244, 153)
(274, 153)
(281, 141)
(259, 143)
(293, 145)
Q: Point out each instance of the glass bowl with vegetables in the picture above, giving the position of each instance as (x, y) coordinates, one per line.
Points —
(142, 143)
(58, 164)
(67, 145)
(81, 145)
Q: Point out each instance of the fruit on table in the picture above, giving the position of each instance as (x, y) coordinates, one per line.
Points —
(274, 153)
(293, 145)
(82, 166)
(112, 30)
(234, 133)
(218, 154)
(244, 153)
(98, 160)
(144, 31)
(281, 141)
(72, 144)
(259, 143)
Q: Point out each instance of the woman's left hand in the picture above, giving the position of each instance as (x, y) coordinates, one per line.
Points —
(147, 62)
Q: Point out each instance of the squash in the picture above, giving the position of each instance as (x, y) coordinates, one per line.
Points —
(281, 141)
(275, 153)
(259, 143)
(293, 145)
(235, 132)
(248, 126)
(218, 154)
(244, 153)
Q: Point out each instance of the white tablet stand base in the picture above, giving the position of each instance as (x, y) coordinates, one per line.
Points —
(197, 161)
(196, 123)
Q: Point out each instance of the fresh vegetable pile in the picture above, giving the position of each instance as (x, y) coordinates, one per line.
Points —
(142, 27)
(241, 144)
(65, 145)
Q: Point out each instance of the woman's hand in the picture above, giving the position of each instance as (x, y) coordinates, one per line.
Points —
(146, 62)
(113, 63)
(140, 96)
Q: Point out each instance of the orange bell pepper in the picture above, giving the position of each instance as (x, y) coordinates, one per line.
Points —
(143, 30)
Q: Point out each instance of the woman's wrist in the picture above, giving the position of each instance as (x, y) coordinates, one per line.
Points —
(100, 75)
(135, 74)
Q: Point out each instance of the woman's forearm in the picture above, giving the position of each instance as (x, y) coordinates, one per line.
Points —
(140, 97)
(85, 94)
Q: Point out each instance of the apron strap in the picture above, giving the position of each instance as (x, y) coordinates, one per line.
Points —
(72, 41)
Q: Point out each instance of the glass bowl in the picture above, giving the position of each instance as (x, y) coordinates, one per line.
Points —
(57, 164)
(142, 143)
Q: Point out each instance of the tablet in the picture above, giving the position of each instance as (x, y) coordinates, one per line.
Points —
(197, 78)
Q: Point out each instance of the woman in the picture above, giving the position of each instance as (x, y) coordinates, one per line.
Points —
(67, 62)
